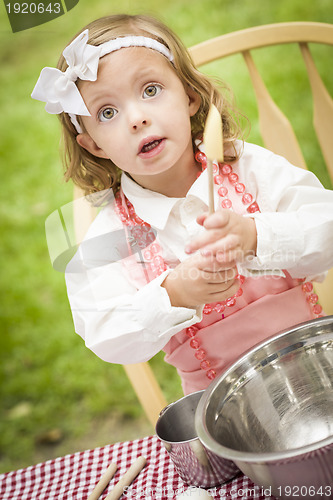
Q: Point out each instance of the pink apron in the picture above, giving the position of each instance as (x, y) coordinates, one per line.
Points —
(267, 306)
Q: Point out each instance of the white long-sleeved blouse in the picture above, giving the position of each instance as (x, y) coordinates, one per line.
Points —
(123, 323)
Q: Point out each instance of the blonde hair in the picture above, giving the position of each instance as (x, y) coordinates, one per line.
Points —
(93, 174)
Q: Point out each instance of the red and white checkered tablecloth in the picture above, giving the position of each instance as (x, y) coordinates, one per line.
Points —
(73, 477)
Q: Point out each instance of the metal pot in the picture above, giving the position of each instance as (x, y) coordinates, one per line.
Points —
(196, 465)
(271, 412)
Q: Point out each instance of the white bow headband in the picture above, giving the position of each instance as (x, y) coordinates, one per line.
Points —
(58, 88)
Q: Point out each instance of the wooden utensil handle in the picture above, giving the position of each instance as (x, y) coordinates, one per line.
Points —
(127, 479)
(103, 482)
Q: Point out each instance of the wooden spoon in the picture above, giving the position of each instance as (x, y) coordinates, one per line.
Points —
(213, 142)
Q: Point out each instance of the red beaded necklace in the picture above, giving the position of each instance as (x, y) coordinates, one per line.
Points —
(145, 238)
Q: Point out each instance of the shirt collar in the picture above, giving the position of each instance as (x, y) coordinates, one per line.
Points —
(143, 199)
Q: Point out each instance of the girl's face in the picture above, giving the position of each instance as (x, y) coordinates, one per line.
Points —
(140, 117)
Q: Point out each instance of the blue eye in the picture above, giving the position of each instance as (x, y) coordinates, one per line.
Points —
(107, 114)
(152, 90)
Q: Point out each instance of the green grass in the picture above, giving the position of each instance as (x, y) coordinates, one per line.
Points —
(49, 380)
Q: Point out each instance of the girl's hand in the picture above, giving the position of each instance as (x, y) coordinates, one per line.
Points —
(199, 280)
(229, 237)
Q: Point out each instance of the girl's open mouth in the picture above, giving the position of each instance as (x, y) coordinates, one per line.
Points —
(151, 147)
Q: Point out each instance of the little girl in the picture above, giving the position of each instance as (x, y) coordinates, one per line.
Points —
(204, 288)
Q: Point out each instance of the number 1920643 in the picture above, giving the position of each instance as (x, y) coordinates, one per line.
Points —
(33, 8)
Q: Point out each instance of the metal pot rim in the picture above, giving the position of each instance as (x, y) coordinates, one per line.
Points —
(169, 408)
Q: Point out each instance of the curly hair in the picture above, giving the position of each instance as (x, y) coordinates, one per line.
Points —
(94, 174)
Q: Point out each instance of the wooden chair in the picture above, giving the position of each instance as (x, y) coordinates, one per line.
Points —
(277, 135)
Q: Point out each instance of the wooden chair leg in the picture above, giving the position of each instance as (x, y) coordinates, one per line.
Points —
(147, 389)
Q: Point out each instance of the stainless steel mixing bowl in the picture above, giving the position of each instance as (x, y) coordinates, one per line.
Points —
(271, 412)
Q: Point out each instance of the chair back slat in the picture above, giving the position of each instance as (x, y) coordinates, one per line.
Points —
(276, 130)
(322, 109)
(260, 36)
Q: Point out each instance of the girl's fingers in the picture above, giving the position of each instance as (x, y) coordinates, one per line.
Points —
(230, 258)
(214, 261)
(225, 245)
(201, 218)
(218, 219)
(209, 239)
(222, 278)
(217, 225)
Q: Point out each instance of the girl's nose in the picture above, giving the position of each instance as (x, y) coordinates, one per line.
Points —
(137, 118)
(138, 124)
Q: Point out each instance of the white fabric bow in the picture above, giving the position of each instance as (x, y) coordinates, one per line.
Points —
(58, 89)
